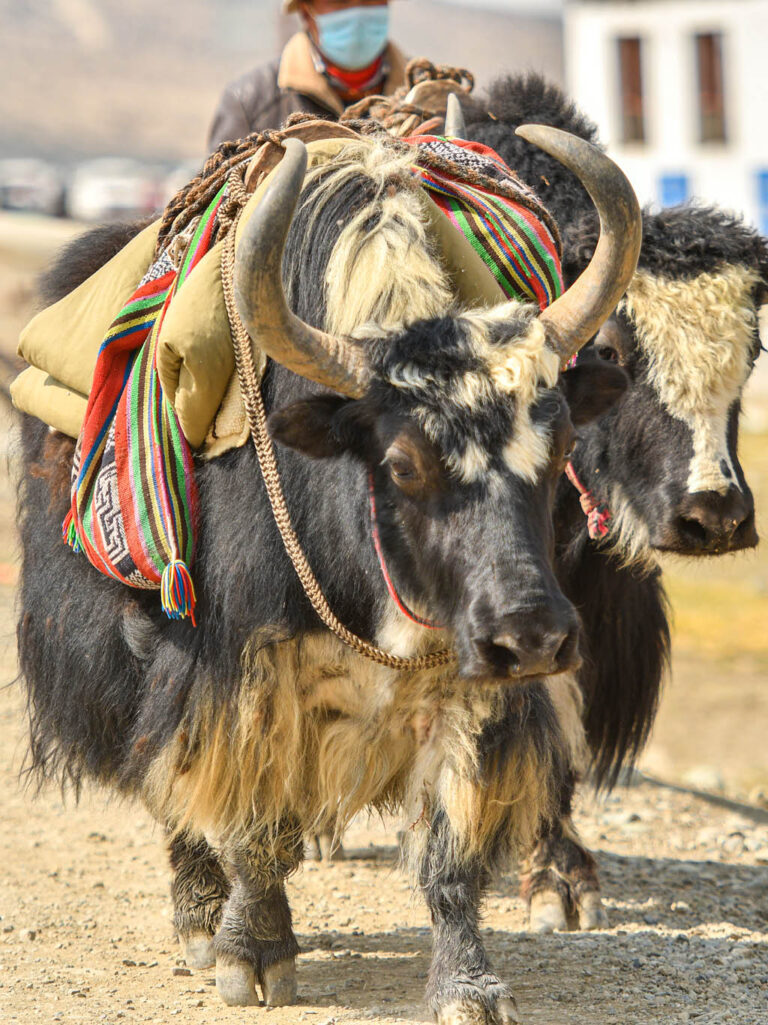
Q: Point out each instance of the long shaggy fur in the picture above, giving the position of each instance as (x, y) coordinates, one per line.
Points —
(319, 730)
(625, 645)
(678, 242)
(381, 269)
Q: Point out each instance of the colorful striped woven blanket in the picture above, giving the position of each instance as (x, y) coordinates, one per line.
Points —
(134, 502)
(511, 235)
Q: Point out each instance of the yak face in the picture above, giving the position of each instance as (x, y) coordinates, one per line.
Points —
(665, 459)
(465, 429)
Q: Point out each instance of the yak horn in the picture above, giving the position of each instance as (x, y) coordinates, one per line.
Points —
(260, 300)
(577, 315)
(455, 127)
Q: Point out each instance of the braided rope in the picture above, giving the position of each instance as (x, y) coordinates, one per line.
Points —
(250, 387)
(420, 69)
(393, 113)
(195, 196)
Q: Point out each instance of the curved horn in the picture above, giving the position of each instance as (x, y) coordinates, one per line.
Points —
(259, 295)
(576, 316)
(455, 127)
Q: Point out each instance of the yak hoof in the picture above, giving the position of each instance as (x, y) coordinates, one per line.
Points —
(472, 1012)
(236, 982)
(463, 1012)
(278, 983)
(197, 950)
(592, 914)
(546, 913)
(506, 1012)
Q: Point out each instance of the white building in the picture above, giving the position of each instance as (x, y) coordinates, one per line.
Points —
(679, 90)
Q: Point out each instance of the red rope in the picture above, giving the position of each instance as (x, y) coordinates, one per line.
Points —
(382, 563)
(597, 513)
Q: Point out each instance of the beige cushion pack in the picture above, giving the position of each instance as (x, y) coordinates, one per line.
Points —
(195, 356)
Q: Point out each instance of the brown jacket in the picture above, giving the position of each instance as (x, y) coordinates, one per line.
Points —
(263, 98)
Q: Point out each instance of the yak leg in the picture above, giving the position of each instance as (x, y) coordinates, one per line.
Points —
(462, 988)
(321, 847)
(255, 942)
(559, 882)
(199, 890)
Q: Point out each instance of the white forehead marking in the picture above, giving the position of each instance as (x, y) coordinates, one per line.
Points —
(522, 368)
(697, 336)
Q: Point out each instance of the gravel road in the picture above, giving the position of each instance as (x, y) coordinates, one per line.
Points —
(85, 932)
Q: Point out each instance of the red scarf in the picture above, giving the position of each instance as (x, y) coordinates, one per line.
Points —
(355, 84)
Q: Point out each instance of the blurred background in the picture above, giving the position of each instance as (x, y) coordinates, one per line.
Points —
(104, 111)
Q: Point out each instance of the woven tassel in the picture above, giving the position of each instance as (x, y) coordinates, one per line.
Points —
(69, 533)
(177, 592)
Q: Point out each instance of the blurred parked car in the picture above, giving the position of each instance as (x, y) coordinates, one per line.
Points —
(178, 177)
(31, 185)
(113, 189)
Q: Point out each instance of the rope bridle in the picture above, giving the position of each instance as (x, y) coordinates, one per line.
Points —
(376, 535)
(250, 386)
(597, 512)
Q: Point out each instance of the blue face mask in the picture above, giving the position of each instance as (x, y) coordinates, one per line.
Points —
(353, 38)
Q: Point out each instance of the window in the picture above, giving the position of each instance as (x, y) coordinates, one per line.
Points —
(673, 189)
(709, 68)
(631, 90)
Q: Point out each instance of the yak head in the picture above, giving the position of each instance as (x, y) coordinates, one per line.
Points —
(463, 423)
(665, 459)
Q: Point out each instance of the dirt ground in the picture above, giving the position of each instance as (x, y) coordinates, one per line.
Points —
(85, 930)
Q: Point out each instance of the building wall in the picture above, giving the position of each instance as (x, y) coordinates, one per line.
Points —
(724, 173)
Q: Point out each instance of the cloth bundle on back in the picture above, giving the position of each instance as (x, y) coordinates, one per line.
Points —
(133, 486)
(133, 511)
(511, 233)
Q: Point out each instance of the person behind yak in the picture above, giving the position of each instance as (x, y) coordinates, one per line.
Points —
(341, 54)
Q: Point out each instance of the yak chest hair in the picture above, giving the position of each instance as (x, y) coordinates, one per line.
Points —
(315, 734)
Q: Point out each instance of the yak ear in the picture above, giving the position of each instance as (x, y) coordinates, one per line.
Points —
(307, 426)
(592, 388)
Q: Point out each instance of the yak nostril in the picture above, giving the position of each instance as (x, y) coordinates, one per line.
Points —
(506, 641)
(692, 529)
(534, 651)
(504, 647)
(567, 654)
(534, 641)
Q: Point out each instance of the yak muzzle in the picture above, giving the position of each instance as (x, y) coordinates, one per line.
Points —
(525, 644)
(708, 523)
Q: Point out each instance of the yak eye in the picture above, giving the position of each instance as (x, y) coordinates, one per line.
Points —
(401, 469)
(568, 451)
(607, 353)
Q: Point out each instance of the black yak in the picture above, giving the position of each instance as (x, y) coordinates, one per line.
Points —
(260, 724)
(663, 461)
